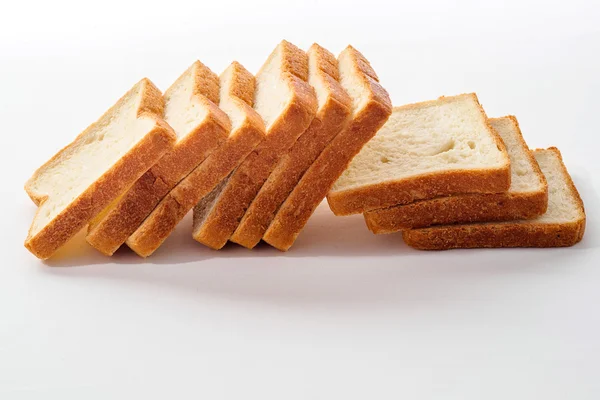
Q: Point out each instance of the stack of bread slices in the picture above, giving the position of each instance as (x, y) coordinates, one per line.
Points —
(253, 156)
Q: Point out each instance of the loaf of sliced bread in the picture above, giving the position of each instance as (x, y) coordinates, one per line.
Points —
(527, 197)
(333, 113)
(563, 223)
(236, 99)
(371, 107)
(425, 150)
(287, 104)
(191, 110)
(97, 167)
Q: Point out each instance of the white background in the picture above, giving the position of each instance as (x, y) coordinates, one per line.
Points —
(344, 314)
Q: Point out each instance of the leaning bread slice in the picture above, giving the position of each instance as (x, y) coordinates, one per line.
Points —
(97, 167)
(287, 104)
(200, 126)
(563, 224)
(527, 197)
(237, 91)
(425, 150)
(333, 113)
(371, 107)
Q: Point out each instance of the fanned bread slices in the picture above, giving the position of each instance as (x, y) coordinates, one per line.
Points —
(98, 166)
(527, 197)
(200, 126)
(287, 104)
(371, 107)
(563, 224)
(333, 113)
(236, 98)
(425, 150)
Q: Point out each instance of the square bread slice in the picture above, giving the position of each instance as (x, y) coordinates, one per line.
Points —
(563, 224)
(248, 130)
(425, 150)
(527, 197)
(287, 104)
(371, 107)
(333, 113)
(200, 126)
(97, 167)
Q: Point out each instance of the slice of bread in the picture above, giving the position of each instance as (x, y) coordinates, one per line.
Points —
(333, 113)
(563, 224)
(98, 166)
(425, 150)
(371, 107)
(200, 126)
(287, 104)
(237, 92)
(527, 197)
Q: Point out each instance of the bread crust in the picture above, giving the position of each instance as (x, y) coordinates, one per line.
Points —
(112, 228)
(504, 234)
(330, 119)
(465, 208)
(182, 198)
(111, 184)
(333, 160)
(425, 186)
(232, 202)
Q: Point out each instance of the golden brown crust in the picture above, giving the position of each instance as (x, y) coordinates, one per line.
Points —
(333, 160)
(465, 208)
(331, 118)
(112, 228)
(504, 234)
(425, 186)
(112, 183)
(249, 177)
(175, 205)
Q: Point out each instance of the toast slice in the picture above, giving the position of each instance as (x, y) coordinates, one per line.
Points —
(425, 150)
(98, 166)
(563, 224)
(287, 104)
(333, 113)
(236, 98)
(200, 127)
(371, 107)
(527, 197)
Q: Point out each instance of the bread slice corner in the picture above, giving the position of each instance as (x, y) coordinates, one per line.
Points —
(97, 167)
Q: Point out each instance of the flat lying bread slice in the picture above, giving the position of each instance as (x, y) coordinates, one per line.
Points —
(200, 126)
(287, 104)
(563, 224)
(527, 197)
(236, 98)
(333, 114)
(371, 107)
(98, 166)
(425, 150)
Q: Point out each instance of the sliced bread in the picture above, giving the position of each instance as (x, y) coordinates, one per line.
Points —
(97, 167)
(333, 113)
(563, 224)
(371, 107)
(425, 150)
(200, 126)
(527, 197)
(287, 104)
(236, 98)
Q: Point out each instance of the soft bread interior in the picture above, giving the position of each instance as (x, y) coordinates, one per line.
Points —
(317, 79)
(448, 134)
(228, 102)
(524, 175)
(184, 111)
(96, 150)
(563, 205)
(273, 93)
(353, 80)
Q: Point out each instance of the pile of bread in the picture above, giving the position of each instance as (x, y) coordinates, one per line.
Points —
(253, 156)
